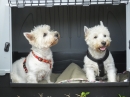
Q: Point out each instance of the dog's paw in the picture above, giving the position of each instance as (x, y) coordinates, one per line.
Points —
(112, 81)
(50, 82)
(31, 78)
(32, 81)
(92, 81)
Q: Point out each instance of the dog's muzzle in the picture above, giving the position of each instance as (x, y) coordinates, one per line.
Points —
(54, 42)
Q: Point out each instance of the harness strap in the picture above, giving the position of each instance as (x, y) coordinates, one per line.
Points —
(99, 62)
(24, 66)
(40, 59)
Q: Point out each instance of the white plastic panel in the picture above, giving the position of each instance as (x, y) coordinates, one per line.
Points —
(5, 57)
(50, 3)
(128, 35)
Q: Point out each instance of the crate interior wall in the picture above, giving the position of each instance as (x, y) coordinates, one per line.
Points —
(69, 21)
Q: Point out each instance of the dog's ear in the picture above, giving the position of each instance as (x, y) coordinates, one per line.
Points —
(29, 36)
(101, 23)
(85, 30)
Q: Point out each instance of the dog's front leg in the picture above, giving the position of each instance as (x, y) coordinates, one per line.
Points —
(47, 77)
(90, 74)
(31, 78)
(111, 74)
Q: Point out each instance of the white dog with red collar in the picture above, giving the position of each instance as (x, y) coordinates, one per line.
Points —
(98, 60)
(39, 63)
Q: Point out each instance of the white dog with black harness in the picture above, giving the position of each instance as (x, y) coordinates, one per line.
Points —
(98, 63)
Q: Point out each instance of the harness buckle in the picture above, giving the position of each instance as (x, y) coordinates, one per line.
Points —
(40, 59)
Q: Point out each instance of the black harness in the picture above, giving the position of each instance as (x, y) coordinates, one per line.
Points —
(100, 64)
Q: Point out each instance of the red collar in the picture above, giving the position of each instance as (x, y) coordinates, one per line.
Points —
(40, 59)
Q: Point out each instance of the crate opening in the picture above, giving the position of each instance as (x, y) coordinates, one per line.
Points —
(69, 21)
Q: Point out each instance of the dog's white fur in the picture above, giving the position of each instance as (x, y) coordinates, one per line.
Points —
(94, 37)
(41, 38)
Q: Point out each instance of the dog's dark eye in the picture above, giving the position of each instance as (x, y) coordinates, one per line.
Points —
(45, 34)
(95, 37)
(104, 35)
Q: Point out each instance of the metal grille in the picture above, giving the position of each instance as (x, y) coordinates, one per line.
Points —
(50, 3)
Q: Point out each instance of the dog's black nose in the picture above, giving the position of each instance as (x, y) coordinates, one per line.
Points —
(56, 35)
(103, 43)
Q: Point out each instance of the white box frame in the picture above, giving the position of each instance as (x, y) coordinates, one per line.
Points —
(6, 36)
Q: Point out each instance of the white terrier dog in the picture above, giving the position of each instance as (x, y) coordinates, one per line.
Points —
(98, 60)
(39, 63)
